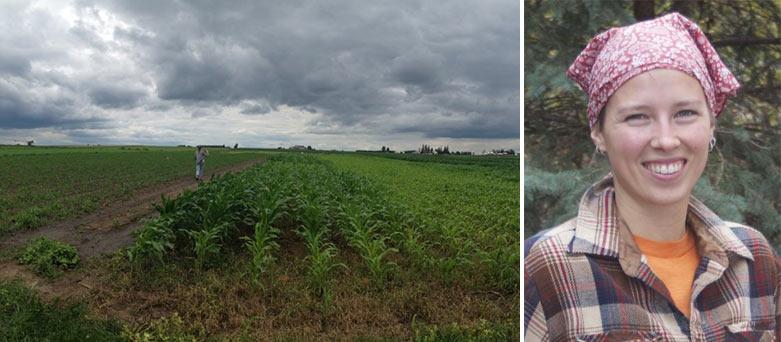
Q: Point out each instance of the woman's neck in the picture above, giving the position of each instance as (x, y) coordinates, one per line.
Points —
(653, 222)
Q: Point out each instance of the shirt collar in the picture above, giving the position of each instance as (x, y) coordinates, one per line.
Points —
(597, 227)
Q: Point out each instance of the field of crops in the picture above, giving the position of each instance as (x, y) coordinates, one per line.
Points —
(39, 185)
(467, 210)
(505, 164)
(324, 246)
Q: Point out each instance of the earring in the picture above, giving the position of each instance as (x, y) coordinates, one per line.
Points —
(598, 150)
(712, 143)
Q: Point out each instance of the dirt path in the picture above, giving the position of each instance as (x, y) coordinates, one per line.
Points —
(111, 227)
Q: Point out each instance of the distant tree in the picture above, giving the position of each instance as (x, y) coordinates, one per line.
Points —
(426, 149)
(236, 146)
(30, 142)
(308, 147)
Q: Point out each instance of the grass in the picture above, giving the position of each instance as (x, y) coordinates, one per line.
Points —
(25, 317)
(224, 304)
(481, 332)
(39, 185)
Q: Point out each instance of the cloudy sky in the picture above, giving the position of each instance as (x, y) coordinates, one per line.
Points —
(332, 74)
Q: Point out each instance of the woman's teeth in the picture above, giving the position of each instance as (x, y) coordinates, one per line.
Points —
(664, 169)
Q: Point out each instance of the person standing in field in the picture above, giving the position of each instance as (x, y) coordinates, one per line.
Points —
(200, 158)
(644, 260)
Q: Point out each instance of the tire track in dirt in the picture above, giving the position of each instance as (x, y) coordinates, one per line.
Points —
(110, 228)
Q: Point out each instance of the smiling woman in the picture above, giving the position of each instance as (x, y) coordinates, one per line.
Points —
(644, 259)
(657, 149)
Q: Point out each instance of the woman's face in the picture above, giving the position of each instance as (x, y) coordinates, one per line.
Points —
(656, 132)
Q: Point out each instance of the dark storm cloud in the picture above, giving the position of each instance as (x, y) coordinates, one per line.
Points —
(112, 95)
(473, 128)
(24, 106)
(344, 59)
(352, 62)
(47, 79)
(420, 68)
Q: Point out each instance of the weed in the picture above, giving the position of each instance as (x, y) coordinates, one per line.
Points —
(170, 328)
(48, 257)
(29, 218)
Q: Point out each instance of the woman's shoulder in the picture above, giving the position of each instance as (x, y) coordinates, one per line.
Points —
(556, 238)
(752, 238)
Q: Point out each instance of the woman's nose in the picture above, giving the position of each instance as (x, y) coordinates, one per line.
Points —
(666, 139)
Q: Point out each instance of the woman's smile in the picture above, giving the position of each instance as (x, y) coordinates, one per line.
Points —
(665, 170)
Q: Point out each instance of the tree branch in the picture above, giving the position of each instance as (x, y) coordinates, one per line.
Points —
(643, 9)
(745, 41)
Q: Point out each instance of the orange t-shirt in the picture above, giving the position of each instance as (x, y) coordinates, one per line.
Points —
(674, 263)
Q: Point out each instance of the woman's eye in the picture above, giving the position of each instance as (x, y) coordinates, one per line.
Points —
(635, 117)
(686, 113)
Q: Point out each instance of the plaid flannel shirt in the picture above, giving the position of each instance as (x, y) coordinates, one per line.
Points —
(586, 280)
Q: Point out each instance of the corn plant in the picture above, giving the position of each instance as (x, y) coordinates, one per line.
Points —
(321, 265)
(503, 266)
(207, 243)
(449, 267)
(268, 207)
(153, 241)
(312, 229)
(262, 247)
(359, 224)
(373, 252)
(412, 244)
(311, 213)
(167, 206)
(219, 209)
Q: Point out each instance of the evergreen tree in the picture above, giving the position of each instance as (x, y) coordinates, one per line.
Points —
(742, 181)
(426, 149)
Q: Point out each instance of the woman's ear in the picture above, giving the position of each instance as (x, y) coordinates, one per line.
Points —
(598, 139)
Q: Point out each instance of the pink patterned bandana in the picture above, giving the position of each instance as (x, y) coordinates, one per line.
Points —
(668, 42)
